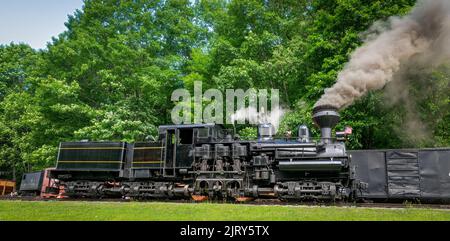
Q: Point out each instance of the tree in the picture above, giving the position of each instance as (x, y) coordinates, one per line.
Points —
(110, 75)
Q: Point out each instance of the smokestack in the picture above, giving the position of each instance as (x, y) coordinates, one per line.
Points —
(326, 117)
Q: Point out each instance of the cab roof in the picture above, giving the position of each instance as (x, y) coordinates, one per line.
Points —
(182, 126)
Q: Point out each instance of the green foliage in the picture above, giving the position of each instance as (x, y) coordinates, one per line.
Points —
(17, 64)
(248, 133)
(300, 114)
(110, 75)
(117, 124)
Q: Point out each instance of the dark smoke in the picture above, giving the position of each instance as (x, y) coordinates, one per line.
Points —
(421, 38)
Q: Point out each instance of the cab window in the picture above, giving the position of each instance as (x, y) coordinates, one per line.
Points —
(185, 136)
(202, 132)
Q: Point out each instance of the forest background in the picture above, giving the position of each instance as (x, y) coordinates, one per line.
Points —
(110, 75)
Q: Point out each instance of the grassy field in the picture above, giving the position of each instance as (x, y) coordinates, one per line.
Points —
(77, 210)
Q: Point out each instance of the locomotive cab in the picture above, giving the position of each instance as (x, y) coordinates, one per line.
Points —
(179, 142)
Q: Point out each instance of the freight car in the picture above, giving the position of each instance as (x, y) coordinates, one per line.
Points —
(205, 161)
(404, 174)
(40, 184)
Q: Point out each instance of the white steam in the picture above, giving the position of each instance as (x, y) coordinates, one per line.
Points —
(251, 115)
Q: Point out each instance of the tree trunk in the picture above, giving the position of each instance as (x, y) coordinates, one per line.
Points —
(14, 177)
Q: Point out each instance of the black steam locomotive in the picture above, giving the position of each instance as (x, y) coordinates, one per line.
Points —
(206, 161)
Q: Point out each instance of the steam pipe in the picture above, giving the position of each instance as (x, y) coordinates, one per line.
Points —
(284, 145)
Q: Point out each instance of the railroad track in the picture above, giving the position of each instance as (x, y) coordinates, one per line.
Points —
(254, 202)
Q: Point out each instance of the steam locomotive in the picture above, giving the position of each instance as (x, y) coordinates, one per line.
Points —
(205, 161)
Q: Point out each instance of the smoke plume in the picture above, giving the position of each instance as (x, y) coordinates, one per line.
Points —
(252, 115)
(421, 38)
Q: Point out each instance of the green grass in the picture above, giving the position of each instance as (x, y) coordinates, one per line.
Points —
(78, 210)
